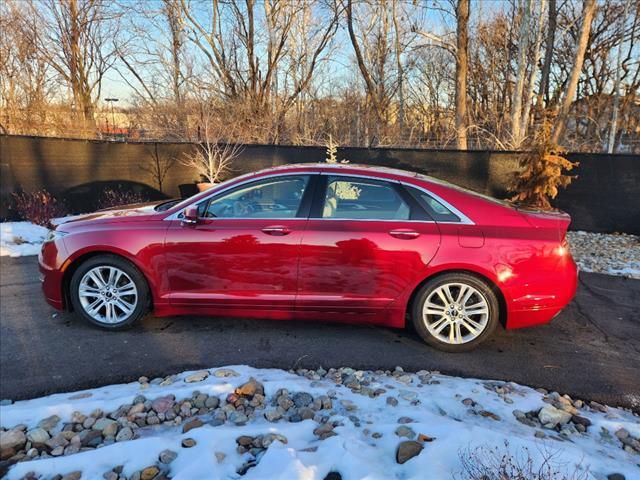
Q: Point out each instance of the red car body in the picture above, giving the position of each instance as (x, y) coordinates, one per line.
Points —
(318, 268)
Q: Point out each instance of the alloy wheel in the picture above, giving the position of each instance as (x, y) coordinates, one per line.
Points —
(455, 313)
(108, 294)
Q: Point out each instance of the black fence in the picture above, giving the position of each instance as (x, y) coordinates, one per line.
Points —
(604, 198)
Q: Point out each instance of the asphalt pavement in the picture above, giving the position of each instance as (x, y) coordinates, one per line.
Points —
(590, 351)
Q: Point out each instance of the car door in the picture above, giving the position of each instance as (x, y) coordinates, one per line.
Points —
(367, 240)
(243, 250)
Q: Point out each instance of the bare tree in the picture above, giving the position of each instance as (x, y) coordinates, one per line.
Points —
(523, 47)
(589, 8)
(213, 156)
(462, 63)
(77, 42)
(158, 164)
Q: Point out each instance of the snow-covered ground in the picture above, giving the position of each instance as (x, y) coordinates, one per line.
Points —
(19, 239)
(270, 424)
(613, 254)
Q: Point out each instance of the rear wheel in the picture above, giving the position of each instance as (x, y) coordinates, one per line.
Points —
(109, 291)
(455, 312)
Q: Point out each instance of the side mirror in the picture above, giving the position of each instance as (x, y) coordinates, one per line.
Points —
(190, 215)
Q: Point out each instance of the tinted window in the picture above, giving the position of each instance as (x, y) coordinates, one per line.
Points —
(272, 198)
(356, 198)
(434, 208)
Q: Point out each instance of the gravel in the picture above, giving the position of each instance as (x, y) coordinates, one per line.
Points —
(612, 254)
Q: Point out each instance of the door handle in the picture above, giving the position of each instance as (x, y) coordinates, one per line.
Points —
(404, 234)
(276, 230)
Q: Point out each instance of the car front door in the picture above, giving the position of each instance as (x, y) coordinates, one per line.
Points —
(367, 240)
(243, 250)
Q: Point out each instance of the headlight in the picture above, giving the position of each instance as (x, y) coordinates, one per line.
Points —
(54, 235)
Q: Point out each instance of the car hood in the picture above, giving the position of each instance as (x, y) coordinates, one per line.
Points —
(134, 212)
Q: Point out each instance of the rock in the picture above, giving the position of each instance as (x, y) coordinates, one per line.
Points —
(38, 436)
(78, 417)
(468, 402)
(273, 414)
(220, 456)
(244, 440)
(197, 376)
(578, 420)
(188, 443)
(56, 452)
(348, 405)
(124, 434)
(250, 388)
(407, 450)
(149, 473)
(12, 439)
(163, 404)
(615, 476)
(167, 456)
(90, 438)
(404, 431)
(225, 372)
(551, 416)
(110, 475)
(393, 401)
(269, 438)
(212, 402)
(190, 425)
(88, 423)
(72, 476)
(404, 420)
(539, 434)
(302, 399)
(238, 418)
(425, 438)
(107, 426)
(408, 395)
(621, 434)
(49, 423)
(488, 414)
(58, 441)
(7, 453)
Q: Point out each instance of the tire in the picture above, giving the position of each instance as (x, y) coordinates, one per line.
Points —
(448, 325)
(114, 307)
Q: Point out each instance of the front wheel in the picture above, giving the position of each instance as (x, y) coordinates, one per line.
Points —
(109, 291)
(455, 312)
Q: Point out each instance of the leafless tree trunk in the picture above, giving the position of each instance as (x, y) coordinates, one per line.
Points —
(523, 49)
(462, 59)
(589, 8)
(616, 86)
(543, 93)
(528, 98)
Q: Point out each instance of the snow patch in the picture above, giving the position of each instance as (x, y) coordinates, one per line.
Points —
(355, 452)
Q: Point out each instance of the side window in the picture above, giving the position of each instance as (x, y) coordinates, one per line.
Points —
(434, 208)
(356, 198)
(271, 198)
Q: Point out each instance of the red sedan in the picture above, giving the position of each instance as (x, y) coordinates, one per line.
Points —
(319, 241)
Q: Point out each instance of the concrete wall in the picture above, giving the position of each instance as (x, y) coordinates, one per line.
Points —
(605, 197)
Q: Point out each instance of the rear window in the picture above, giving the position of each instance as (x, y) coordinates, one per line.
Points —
(437, 211)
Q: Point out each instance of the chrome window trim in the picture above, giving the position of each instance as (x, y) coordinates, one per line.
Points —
(464, 220)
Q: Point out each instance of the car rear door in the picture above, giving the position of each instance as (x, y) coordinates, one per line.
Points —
(366, 241)
(243, 251)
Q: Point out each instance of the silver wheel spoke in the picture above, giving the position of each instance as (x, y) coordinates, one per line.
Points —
(101, 297)
(474, 327)
(126, 307)
(477, 310)
(439, 325)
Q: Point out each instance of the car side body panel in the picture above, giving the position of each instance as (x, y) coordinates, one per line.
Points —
(352, 271)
